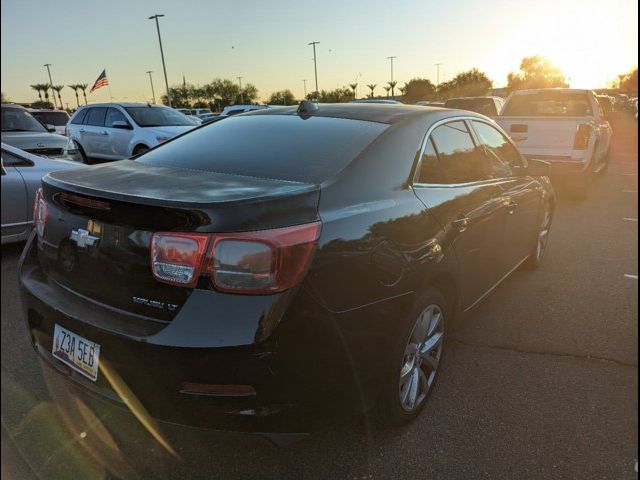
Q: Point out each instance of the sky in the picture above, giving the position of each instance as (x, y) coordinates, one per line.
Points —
(267, 42)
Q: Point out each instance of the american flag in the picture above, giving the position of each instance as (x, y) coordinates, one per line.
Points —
(100, 82)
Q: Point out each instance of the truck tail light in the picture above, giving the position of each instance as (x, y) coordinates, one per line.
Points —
(260, 262)
(583, 134)
(40, 212)
(177, 258)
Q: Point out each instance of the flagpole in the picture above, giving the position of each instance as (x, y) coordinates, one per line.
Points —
(110, 95)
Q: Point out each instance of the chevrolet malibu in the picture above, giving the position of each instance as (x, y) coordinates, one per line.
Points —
(281, 267)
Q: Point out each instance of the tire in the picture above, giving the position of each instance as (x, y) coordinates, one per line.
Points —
(540, 242)
(430, 313)
(139, 149)
(83, 155)
(605, 163)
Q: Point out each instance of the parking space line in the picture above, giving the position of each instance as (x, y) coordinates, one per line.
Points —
(630, 219)
(631, 277)
(629, 191)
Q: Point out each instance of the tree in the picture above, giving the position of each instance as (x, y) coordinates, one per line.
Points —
(75, 88)
(3, 97)
(372, 87)
(629, 81)
(57, 89)
(283, 97)
(38, 87)
(338, 95)
(353, 87)
(83, 87)
(418, 89)
(472, 83)
(387, 89)
(536, 72)
(392, 86)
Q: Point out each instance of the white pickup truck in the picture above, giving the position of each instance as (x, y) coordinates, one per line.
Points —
(565, 127)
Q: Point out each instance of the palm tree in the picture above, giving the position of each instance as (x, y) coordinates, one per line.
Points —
(38, 88)
(392, 85)
(353, 87)
(372, 87)
(75, 88)
(57, 89)
(83, 87)
(387, 88)
(45, 89)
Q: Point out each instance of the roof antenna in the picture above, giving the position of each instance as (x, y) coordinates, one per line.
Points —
(307, 108)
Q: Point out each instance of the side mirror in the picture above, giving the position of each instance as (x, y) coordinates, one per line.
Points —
(122, 125)
(50, 128)
(537, 168)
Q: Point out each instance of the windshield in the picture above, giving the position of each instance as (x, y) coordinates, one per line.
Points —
(548, 104)
(157, 117)
(59, 119)
(18, 120)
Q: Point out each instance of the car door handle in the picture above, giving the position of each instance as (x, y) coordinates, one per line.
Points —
(461, 223)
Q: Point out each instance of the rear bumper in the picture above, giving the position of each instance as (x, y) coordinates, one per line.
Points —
(300, 382)
(563, 166)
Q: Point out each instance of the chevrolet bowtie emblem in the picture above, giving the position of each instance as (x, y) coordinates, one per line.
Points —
(83, 238)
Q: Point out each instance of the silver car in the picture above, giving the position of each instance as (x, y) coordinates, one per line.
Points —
(21, 176)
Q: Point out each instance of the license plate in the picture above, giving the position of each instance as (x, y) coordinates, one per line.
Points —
(77, 352)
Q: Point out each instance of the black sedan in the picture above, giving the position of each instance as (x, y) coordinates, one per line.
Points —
(282, 267)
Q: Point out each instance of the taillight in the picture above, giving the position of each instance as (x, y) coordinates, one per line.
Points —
(40, 212)
(261, 262)
(583, 134)
(177, 258)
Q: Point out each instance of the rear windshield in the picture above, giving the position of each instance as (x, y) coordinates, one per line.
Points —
(59, 119)
(19, 120)
(548, 104)
(285, 147)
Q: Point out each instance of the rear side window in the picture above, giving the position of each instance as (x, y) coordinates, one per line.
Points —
(78, 119)
(430, 171)
(549, 104)
(96, 117)
(459, 157)
(285, 147)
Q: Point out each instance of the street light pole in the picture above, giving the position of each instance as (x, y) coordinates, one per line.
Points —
(164, 68)
(304, 84)
(438, 74)
(315, 62)
(51, 84)
(391, 58)
(241, 95)
(153, 94)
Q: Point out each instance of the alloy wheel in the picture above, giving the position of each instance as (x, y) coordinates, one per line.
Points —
(421, 358)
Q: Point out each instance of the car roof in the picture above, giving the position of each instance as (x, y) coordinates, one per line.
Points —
(559, 90)
(372, 112)
(45, 110)
(121, 104)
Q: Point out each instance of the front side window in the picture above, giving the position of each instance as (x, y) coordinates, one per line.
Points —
(461, 160)
(502, 154)
(155, 116)
(114, 115)
(95, 117)
(19, 120)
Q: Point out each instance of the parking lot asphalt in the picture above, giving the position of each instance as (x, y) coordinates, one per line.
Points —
(539, 381)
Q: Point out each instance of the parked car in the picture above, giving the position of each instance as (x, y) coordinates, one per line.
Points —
(113, 131)
(21, 130)
(489, 106)
(236, 109)
(185, 111)
(425, 103)
(278, 282)
(57, 118)
(606, 104)
(199, 112)
(209, 117)
(377, 100)
(22, 173)
(565, 127)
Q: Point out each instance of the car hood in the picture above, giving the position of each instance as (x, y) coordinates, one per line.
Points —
(169, 131)
(31, 140)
